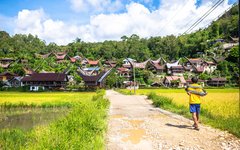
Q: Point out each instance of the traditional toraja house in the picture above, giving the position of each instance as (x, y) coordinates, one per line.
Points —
(5, 76)
(170, 65)
(202, 82)
(141, 65)
(15, 82)
(198, 65)
(209, 66)
(126, 63)
(174, 81)
(110, 63)
(94, 81)
(44, 56)
(75, 59)
(24, 61)
(124, 72)
(6, 62)
(45, 81)
(177, 70)
(28, 71)
(157, 66)
(217, 82)
(93, 62)
(91, 70)
(60, 56)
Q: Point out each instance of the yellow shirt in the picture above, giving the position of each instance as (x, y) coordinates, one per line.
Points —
(193, 98)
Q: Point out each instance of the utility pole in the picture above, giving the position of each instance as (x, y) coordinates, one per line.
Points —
(134, 82)
(133, 69)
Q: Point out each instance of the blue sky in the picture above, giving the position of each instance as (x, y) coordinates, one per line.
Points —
(98, 20)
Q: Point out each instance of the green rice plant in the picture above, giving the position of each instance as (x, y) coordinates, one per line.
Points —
(229, 123)
(83, 128)
(159, 101)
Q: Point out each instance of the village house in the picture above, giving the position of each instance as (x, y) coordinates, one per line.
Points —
(28, 71)
(177, 70)
(44, 56)
(170, 65)
(209, 66)
(110, 63)
(201, 82)
(94, 81)
(75, 59)
(125, 73)
(141, 65)
(93, 63)
(127, 64)
(91, 70)
(157, 66)
(5, 76)
(6, 62)
(217, 82)
(61, 57)
(15, 82)
(45, 81)
(174, 81)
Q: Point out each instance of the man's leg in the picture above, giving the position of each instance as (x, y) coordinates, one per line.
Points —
(195, 119)
(197, 115)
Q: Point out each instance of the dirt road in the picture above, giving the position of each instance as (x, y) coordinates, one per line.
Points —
(135, 124)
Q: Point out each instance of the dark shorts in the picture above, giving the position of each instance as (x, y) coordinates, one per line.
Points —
(194, 108)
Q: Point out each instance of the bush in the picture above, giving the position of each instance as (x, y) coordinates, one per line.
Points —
(159, 101)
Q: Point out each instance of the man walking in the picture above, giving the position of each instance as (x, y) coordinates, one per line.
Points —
(195, 93)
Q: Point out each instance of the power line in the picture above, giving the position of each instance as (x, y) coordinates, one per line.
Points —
(221, 14)
(204, 16)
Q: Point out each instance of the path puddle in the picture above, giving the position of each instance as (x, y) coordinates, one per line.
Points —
(135, 122)
(29, 118)
(134, 135)
(117, 116)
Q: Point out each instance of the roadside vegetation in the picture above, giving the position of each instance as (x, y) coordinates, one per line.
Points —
(83, 127)
(220, 108)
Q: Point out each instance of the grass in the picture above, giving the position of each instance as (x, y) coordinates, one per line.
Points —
(220, 108)
(83, 128)
(43, 98)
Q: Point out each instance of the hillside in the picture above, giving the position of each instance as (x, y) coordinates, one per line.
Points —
(204, 43)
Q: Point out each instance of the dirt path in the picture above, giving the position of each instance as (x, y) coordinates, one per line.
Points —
(135, 124)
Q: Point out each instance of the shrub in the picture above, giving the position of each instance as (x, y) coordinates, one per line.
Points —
(159, 101)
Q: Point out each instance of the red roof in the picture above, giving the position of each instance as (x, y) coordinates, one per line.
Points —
(4, 65)
(177, 67)
(93, 62)
(123, 69)
(61, 77)
(73, 59)
(29, 71)
(195, 60)
(172, 78)
(60, 55)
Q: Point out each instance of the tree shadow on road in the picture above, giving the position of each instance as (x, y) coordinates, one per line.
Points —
(179, 126)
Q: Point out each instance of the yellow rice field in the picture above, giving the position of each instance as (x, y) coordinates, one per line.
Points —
(220, 102)
(47, 97)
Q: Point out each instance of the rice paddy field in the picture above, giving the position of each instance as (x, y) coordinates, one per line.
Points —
(44, 97)
(219, 102)
(72, 120)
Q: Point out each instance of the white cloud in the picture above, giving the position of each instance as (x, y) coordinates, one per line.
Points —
(171, 18)
(95, 6)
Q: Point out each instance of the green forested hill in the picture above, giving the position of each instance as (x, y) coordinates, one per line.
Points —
(171, 47)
